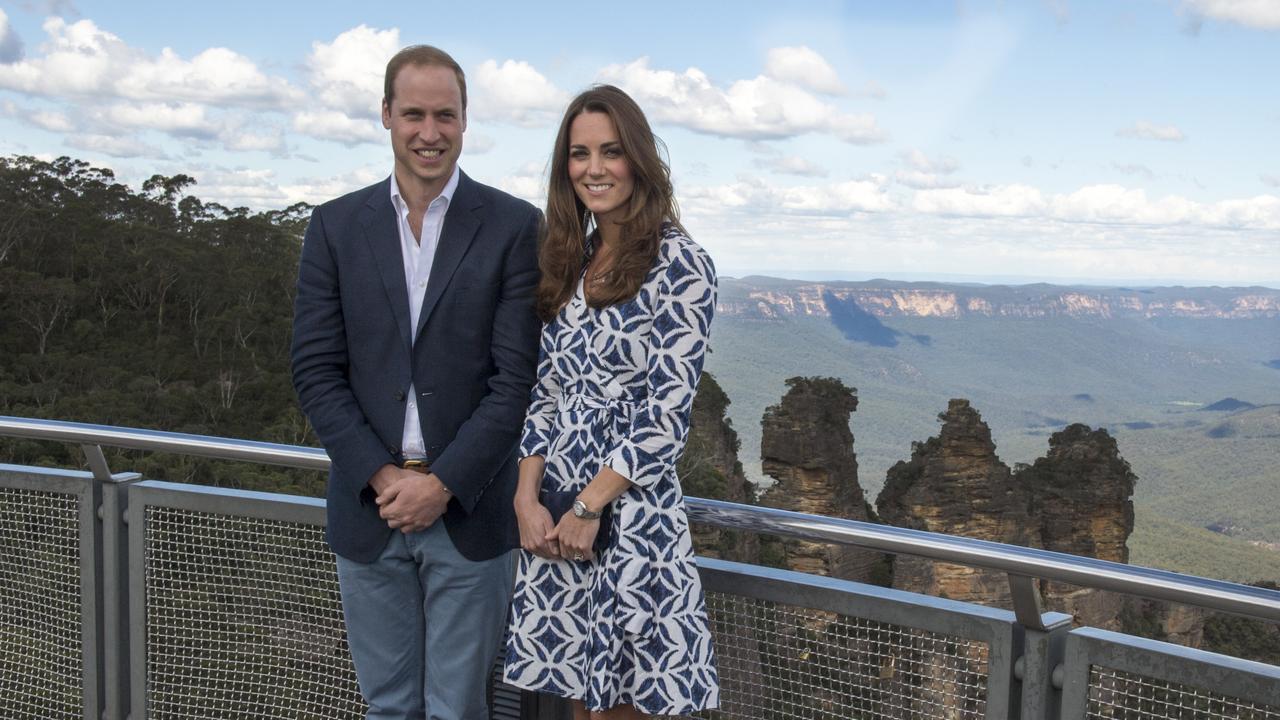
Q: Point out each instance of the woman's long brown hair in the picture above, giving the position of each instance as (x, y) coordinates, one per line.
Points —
(563, 253)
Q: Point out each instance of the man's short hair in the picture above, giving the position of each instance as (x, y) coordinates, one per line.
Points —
(422, 55)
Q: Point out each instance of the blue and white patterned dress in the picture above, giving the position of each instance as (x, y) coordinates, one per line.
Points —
(615, 387)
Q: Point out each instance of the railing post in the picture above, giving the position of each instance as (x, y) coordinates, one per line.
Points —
(115, 594)
(1042, 653)
(107, 638)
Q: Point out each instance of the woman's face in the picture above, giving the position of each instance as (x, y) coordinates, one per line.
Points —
(598, 168)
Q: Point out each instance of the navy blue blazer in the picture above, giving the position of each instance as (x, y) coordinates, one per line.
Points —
(472, 366)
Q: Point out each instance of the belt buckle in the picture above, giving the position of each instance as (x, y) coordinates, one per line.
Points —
(417, 465)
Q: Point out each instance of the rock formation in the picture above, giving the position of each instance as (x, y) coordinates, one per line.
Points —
(807, 447)
(1076, 500)
(955, 484)
(1080, 497)
(709, 468)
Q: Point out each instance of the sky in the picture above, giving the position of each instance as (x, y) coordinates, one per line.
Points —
(1105, 142)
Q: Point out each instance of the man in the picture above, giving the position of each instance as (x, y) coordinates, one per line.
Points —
(414, 349)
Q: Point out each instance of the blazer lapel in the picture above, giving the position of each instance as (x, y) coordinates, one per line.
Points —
(461, 222)
(381, 229)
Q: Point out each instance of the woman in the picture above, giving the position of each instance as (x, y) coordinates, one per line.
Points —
(627, 309)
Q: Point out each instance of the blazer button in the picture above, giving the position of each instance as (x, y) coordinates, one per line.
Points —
(393, 449)
(400, 396)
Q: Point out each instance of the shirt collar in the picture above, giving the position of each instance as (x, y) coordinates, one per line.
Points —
(446, 194)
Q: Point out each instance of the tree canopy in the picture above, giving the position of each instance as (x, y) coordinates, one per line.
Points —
(147, 309)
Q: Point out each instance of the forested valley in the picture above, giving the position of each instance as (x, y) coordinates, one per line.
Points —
(147, 309)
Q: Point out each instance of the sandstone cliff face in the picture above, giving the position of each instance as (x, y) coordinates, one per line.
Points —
(955, 484)
(776, 299)
(1170, 622)
(807, 447)
(709, 468)
(1080, 496)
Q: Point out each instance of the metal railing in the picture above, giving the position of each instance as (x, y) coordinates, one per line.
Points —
(223, 604)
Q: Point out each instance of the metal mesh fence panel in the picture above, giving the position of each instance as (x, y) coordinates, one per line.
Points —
(41, 650)
(244, 620)
(1119, 695)
(780, 661)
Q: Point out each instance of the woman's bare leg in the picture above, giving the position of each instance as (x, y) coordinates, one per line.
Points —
(580, 711)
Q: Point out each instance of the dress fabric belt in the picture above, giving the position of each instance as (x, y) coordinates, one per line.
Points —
(632, 564)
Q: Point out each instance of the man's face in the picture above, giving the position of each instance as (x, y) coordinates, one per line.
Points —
(426, 121)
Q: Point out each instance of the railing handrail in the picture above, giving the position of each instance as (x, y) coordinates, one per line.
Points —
(218, 448)
(1207, 593)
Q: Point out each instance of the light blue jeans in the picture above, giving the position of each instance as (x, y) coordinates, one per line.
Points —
(424, 624)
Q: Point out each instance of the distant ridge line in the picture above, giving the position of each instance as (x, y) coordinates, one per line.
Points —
(763, 297)
(1012, 283)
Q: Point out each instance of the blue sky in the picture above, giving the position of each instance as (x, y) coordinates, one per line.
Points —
(1127, 141)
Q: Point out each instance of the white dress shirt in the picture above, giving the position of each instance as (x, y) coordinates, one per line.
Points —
(418, 258)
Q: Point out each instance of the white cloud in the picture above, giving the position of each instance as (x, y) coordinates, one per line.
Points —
(756, 196)
(791, 165)
(255, 188)
(1116, 203)
(804, 67)
(917, 160)
(115, 146)
(774, 242)
(339, 127)
(757, 109)
(1101, 204)
(926, 173)
(527, 182)
(52, 121)
(924, 180)
(1151, 131)
(347, 74)
(1258, 14)
(318, 190)
(526, 187)
(82, 60)
(270, 140)
(10, 43)
(261, 189)
(998, 201)
(1272, 180)
(217, 75)
(475, 143)
(122, 121)
(180, 119)
(517, 93)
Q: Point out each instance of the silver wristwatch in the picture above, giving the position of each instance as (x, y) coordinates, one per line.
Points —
(581, 511)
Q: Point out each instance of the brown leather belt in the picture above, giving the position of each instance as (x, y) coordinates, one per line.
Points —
(417, 465)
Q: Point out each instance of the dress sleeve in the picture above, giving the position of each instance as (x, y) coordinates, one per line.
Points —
(683, 307)
(539, 419)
